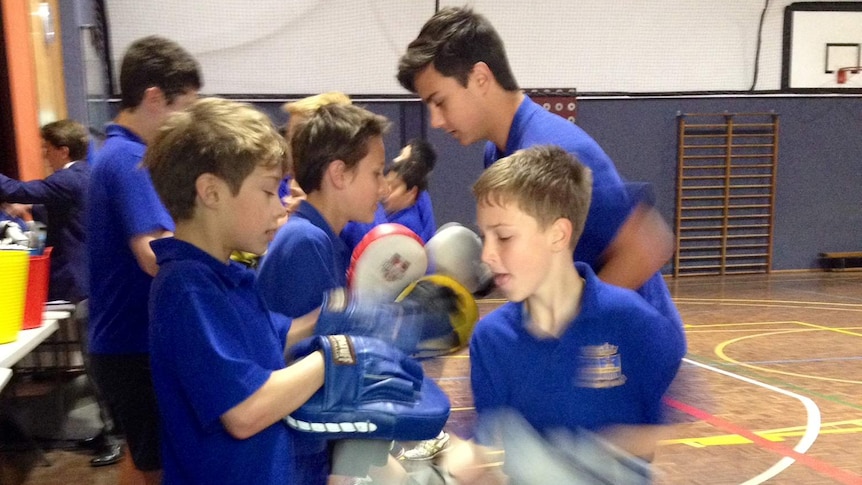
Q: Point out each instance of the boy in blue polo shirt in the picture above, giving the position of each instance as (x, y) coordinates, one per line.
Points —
(569, 352)
(124, 214)
(408, 202)
(217, 355)
(459, 67)
(338, 158)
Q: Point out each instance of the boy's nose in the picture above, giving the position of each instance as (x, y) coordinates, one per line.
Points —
(488, 253)
(435, 118)
(383, 191)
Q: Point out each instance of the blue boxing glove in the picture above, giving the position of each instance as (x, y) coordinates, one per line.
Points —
(371, 390)
(424, 315)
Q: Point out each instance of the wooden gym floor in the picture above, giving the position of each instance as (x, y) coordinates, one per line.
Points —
(770, 391)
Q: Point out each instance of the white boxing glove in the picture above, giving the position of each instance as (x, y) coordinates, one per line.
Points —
(456, 251)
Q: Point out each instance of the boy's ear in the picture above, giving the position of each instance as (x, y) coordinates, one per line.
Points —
(482, 75)
(153, 96)
(209, 189)
(561, 234)
(337, 173)
(414, 193)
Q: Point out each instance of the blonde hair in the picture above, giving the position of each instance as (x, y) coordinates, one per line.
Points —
(302, 109)
(225, 138)
(306, 106)
(546, 183)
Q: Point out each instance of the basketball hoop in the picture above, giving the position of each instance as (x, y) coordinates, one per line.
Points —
(844, 73)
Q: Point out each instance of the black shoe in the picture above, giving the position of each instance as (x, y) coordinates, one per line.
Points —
(108, 455)
(94, 443)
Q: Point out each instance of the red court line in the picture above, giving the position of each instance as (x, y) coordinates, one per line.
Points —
(842, 476)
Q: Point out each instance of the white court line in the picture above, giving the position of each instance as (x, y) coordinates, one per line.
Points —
(812, 427)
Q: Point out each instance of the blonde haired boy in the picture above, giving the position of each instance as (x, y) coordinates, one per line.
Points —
(568, 352)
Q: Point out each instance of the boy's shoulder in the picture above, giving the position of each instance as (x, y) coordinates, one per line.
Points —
(298, 232)
(501, 323)
(604, 300)
(186, 263)
(610, 311)
(118, 154)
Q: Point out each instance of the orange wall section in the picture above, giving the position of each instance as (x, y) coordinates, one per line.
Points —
(22, 84)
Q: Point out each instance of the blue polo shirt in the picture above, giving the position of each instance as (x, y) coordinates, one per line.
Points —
(305, 260)
(122, 204)
(611, 365)
(419, 217)
(213, 344)
(611, 203)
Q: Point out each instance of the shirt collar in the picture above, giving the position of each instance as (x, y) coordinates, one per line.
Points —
(312, 215)
(526, 111)
(114, 129)
(172, 249)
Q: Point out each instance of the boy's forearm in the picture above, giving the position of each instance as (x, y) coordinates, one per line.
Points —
(285, 391)
(639, 440)
(469, 463)
(144, 255)
(641, 247)
(301, 328)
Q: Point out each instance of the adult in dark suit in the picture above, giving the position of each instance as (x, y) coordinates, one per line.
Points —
(60, 203)
(63, 195)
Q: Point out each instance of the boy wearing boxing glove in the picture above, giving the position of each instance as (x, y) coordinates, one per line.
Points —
(338, 160)
(217, 353)
(408, 202)
(568, 377)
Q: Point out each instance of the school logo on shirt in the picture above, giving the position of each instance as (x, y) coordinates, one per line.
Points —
(599, 366)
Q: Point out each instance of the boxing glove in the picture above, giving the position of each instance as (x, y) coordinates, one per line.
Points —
(456, 251)
(456, 310)
(405, 324)
(371, 390)
(387, 259)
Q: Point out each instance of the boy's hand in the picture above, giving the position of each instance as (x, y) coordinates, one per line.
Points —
(456, 251)
(450, 314)
(432, 316)
(371, 390)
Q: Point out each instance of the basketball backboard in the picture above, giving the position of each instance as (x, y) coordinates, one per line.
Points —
(820, 38)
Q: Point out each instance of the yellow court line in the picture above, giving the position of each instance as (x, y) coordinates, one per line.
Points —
(724, 328)
(464, 408)
(774, 435)
(761, 305)
(833, 329)
(738, 324)
(719, 351)
(744, 300)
